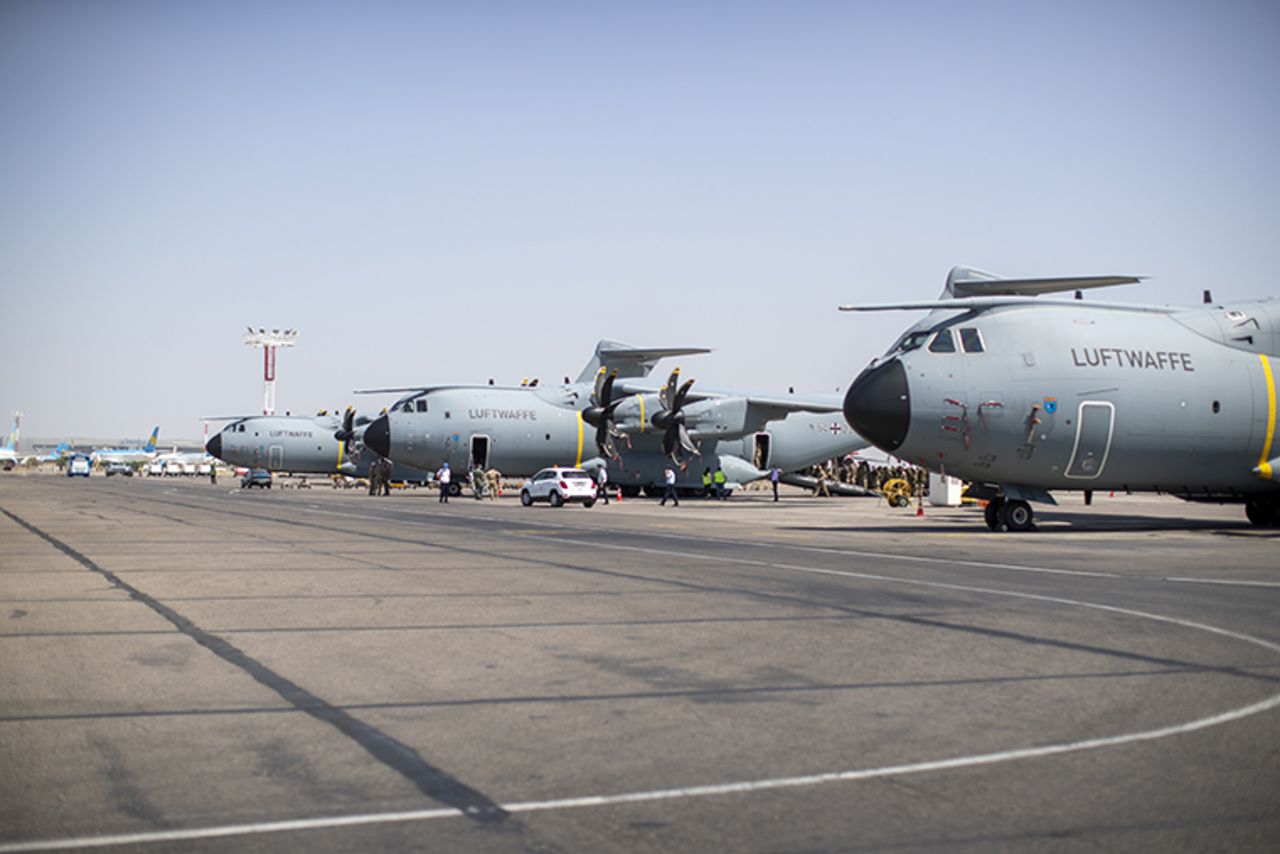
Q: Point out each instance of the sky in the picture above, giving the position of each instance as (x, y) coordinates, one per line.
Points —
(448, 192)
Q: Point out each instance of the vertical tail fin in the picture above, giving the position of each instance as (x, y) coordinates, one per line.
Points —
(11, 444)
(151, 443)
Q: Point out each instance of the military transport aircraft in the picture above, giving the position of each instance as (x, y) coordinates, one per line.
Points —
(611, 415)
(1023, 395)
(319, 444)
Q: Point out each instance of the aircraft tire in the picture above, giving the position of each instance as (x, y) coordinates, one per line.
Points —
(1263, 512)
(1016, 516)
(525, 498)
(991, 513)
(455, 489)
(556, 499)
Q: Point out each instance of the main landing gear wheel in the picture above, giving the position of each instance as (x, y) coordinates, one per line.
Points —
(1015, 516)
(1263, 512)
(991, 513)
(455, 489)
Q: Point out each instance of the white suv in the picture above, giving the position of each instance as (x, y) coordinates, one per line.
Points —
(559, 485)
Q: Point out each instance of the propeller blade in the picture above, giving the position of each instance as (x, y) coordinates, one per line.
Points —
(666, 396)
(682, 394)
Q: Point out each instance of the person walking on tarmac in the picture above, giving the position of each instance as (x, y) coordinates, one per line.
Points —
(707, 491)
(375, 470)
(477, 482)
(720, 481)
(385, 476)
(602, 482)
(443, 477)
(774, 475)
(669, 478)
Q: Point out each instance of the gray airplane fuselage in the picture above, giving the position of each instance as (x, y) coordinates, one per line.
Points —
(1062, 395)
(297, 444)
(521, 430)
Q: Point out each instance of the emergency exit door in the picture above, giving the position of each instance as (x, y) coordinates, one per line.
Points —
(1094, 428)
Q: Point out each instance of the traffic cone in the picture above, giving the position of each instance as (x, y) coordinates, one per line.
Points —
(619, 494)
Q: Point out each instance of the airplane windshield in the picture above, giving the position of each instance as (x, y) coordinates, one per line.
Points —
(910, 341)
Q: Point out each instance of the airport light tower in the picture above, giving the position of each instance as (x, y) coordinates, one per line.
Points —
(269, 341)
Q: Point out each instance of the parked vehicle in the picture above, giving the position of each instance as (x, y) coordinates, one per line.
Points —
(122, 469)
(78, 466)
(256, 477)
(559, 486)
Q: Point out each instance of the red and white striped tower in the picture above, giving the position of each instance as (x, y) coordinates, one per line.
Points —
(269, 341)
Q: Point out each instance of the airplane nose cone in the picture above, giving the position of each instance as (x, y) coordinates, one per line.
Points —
(878, 406)
(377, 436)
(214, 446)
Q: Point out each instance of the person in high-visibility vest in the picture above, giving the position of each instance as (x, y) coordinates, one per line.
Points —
(720, 480)
(706, 483)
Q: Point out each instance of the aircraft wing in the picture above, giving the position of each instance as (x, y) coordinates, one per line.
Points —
(984, 303)
(784, 403)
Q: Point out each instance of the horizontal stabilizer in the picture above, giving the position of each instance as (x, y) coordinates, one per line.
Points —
(630, 361)
(984, 303)
(968, 282)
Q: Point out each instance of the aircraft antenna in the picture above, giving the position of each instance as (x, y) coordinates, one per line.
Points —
(269, 340)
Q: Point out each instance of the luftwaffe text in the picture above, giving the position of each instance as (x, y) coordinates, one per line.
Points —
(1157, 360)
(505, 414)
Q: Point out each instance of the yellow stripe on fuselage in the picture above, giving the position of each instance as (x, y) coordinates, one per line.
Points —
(338, 467)
(1264, 464)
(578, 460)
(640, 397)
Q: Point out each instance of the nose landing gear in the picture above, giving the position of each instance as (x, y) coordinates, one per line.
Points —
(1002, 515)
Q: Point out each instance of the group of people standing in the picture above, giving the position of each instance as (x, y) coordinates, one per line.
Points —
(713, 484)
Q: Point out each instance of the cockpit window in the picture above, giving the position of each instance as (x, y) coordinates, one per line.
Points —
(910, 341)
(971, 340)
(943, 342)
(421, 404)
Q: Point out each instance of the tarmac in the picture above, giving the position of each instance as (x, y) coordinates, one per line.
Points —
(191, 667)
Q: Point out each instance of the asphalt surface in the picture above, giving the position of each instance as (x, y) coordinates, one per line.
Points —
(191, 667)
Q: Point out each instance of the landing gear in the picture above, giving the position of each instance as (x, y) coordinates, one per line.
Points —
(1263, 511)
(991, 513)
(1002, 515)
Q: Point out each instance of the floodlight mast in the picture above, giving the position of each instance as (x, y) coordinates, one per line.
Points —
(269, 341)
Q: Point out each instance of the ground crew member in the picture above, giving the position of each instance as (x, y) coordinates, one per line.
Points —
(720, 480)
(213, 474)
(375, 469)
(602, 482)
(669, 478)
(706, 483)
(774, 475)
(477, 482)
(443, 477)
(822, 483)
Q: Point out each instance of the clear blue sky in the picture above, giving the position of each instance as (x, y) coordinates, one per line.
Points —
(445, 192)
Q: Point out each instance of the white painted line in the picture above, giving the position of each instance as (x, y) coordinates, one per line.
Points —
(740, 787)
(1224, 581)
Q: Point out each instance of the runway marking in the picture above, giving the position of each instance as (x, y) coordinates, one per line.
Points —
(734, 788)
(729, 788)
(1227, 582)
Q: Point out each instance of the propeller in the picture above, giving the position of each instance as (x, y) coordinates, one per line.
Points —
(676, 439)
(600, 413)
(346, 434)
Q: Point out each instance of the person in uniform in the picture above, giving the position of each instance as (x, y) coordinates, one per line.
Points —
(669, 479)
(720, 481)
(443, 476)
(385, 476)
(707, 490)
(494, 486)
(602, 482)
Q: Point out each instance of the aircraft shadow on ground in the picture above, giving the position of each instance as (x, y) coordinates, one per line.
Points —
(1051, 523)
